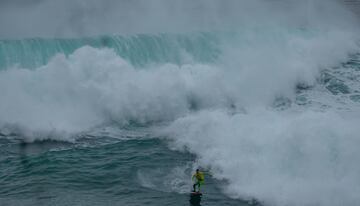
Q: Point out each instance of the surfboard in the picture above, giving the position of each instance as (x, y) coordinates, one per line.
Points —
(195, 193)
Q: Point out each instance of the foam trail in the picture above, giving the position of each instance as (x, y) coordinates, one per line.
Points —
(167, 180)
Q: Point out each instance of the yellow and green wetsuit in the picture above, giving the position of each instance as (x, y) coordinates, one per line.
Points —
(198, 178)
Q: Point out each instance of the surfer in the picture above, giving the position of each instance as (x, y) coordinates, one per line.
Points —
(198, 178)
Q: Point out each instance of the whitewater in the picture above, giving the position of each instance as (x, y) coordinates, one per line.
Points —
(114, 108)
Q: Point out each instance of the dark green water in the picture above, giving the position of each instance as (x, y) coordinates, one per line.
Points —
(99, 171)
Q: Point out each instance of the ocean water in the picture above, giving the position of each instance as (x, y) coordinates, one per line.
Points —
(103, 170)
(266, 104)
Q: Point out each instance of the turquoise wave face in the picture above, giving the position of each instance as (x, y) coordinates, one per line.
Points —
(139, 49)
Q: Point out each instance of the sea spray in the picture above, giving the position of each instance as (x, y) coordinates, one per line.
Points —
(306, 158)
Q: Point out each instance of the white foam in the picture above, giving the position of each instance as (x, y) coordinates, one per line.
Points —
(307, 158)
(92, 86)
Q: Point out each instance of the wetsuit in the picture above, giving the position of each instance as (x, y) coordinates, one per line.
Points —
(198, 177)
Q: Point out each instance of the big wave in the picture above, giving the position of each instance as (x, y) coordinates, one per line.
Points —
(235, 99)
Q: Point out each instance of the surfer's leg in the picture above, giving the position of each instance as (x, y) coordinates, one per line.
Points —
(198, 186)
(194, 185)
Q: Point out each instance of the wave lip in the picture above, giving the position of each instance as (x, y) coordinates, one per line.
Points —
(139, 50)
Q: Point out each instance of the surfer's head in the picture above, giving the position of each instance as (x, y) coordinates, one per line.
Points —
(197, 170)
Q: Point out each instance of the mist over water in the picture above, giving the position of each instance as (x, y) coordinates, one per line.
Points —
(265, 94)
(74, 18)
